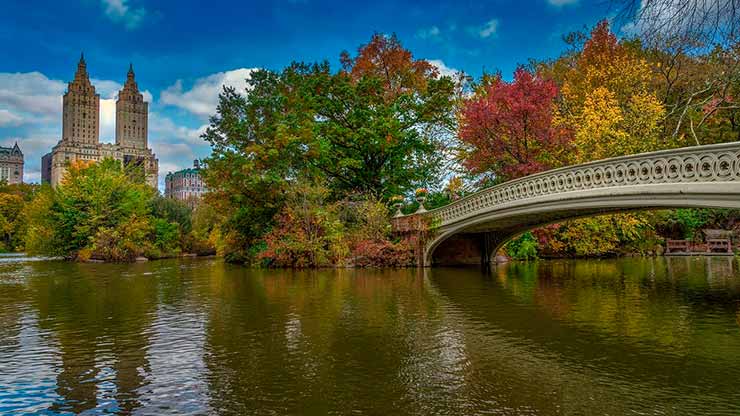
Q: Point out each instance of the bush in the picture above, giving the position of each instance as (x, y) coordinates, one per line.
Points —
(523, 247)
(382, 253)
(307, 232)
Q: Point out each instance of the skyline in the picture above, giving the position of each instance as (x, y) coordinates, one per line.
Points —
(181, 66)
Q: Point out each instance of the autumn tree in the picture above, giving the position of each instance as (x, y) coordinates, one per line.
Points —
(361, 130)
(698, 90)
(509, 128)
(13, 224)
(101, 210)
(608, 100)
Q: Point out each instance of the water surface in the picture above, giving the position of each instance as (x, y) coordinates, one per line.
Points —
(631, 336)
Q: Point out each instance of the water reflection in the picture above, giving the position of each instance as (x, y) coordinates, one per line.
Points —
(203, 337)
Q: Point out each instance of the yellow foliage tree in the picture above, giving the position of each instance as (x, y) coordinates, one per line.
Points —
(607, 99)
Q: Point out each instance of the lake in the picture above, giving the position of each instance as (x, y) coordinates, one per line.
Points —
(627, 336)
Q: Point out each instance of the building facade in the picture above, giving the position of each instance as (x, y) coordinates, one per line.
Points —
(46, 168)
(11, 164)
(185, 185)
(81, 129)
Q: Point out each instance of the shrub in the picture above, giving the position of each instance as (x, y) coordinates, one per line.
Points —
(307, 232)
(382, 253)
(523, 247)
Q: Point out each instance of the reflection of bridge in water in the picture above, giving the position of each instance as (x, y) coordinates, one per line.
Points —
(471, 229)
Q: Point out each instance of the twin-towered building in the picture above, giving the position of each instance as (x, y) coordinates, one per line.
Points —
(81, 129)
(80, 138)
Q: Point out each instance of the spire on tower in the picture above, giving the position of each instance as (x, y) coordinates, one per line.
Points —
(81, 67)
(130, 74)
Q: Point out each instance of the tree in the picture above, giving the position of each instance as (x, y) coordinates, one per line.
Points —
(510, 130)
(365, 129)
(13, 199)
(699, 91)
(608, 99)
(384, 58)
(100, 210)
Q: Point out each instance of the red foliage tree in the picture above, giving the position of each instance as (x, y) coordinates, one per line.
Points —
(509, 128)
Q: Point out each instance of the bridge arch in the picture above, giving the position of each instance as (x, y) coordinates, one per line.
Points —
(694, 177)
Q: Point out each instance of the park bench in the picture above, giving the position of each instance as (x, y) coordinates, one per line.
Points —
(722, 245)
(677, 246)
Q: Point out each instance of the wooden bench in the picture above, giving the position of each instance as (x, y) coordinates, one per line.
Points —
(677, 246)
(722, 245)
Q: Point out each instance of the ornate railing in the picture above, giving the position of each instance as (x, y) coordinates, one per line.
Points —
(709, 163)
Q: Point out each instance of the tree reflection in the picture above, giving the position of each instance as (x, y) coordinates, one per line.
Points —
(332, 336)
(99, 316)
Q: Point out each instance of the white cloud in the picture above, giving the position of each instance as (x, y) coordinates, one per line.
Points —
(428, 33)
(202, 98)
(561, 3)
(9, 119)
(106, 88)
(30, 95)
(107, 120)
(163, 126)
(443, 69)
(120, 11)
(489, 29)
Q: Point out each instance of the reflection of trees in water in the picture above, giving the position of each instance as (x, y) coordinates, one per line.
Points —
(13, 296)
(593, 350)
(311, 341)
(100, 318)
(653, 300)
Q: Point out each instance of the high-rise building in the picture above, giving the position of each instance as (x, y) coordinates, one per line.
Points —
(81, 129)
(81, 109)
(132, 114)
(46, 168)
(11, 164)
(185, 185)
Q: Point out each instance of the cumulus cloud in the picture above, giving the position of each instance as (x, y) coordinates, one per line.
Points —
(202, 99)
(121, 12)
(710, 21)
(31, 95)
(164, 126)
(443, 69)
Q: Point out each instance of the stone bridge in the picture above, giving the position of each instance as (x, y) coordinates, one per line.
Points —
(473, 228)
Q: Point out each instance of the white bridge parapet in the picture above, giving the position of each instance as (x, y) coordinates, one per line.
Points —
(708, 163)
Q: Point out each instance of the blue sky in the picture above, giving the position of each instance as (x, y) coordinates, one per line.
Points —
(184, 51)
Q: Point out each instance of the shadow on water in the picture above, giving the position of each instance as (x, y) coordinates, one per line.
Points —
(203, 337)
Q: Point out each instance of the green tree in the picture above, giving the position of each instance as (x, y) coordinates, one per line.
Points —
(13, 224)
(100, 210)
(364, 129)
